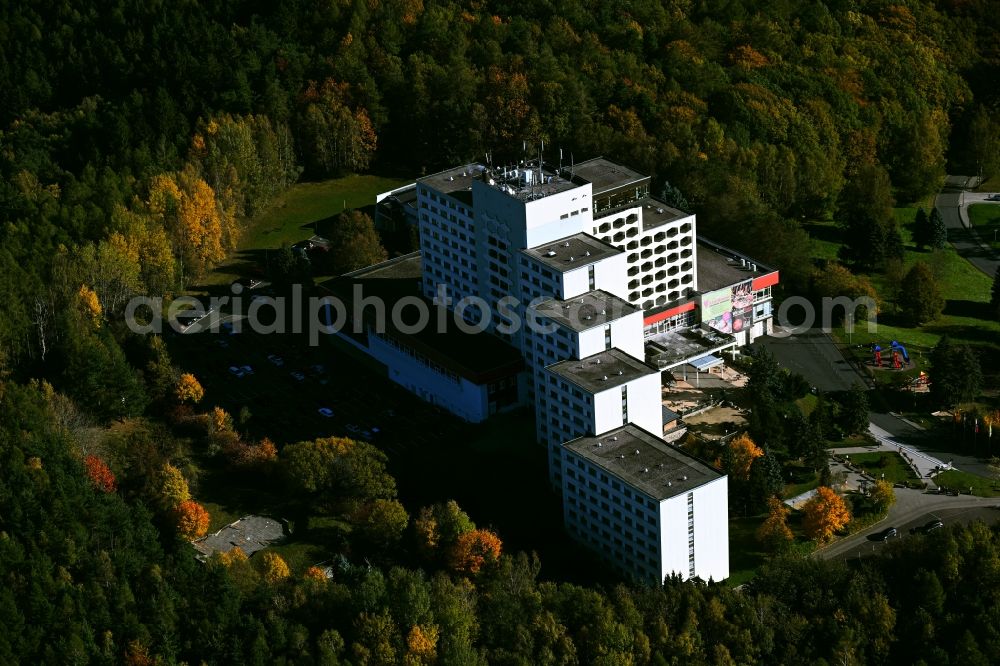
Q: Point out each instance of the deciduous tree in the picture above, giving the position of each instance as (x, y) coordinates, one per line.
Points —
(188, 389)
(956, 375)
(920, 298)
(191, 519)
(383, 523)
(272, 567)
(739, 456)
(100, 474)
(173, 487)
(882, 494)
(473, 549)
(825, 514)
(774, 532)
(354, 242)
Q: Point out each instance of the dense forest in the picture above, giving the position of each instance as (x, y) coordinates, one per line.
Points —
(89, 578)
(137, 139)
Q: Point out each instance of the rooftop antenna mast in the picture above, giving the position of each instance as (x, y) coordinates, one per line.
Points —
(560, 161)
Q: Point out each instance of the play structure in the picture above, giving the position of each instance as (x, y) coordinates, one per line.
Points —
(898, 352)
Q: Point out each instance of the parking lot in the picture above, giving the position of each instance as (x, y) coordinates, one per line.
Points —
(295, 392)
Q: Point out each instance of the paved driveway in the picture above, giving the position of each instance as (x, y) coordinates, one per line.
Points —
(815, 356)
(912, 509)
(953, 201)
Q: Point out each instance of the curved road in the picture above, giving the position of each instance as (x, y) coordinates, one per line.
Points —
(912, 509)
(952, 202)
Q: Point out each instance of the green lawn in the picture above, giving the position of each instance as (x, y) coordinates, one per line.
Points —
(287, 220)
(981, 486)
(886, 463)
(986, 219)
(965, 288)
(292, 215)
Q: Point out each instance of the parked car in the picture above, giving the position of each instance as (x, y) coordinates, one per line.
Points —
(236, 372)
(325, 411)
(888, 533)
(276, 360)
(928, 528)
(354, 429)
(247, 370)
(993, 197)
(297, 376)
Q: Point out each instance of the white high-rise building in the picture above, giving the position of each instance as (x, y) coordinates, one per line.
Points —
(560, 263)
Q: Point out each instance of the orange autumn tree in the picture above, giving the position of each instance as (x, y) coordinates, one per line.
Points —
(739, 456)
(188, 389)
(472, 549)
(421, 645)
(825, 513)
(100, 474)
(774, 532)
(192, 519)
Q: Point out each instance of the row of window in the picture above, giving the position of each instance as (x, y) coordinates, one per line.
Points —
(415, 355)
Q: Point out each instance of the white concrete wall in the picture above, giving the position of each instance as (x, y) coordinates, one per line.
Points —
(711, 530)
(544, 223)
(644, 406)
(459, 396)
(673, 526)
(611, 275)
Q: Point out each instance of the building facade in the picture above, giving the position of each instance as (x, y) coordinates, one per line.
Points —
(599, 287)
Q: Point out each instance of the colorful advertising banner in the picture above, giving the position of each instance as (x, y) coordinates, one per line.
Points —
(729, 310)
(716, 303)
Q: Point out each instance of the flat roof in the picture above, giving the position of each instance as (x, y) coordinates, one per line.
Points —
(655, 213)
(479, 357)
(602, 371)
(720, 267)
(604, 175)
(530, 180)
(588, 310)
(453, 180)
(679, 346)
(572, 252)
(644, 461)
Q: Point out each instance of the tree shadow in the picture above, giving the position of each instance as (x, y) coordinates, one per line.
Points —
(964, 308)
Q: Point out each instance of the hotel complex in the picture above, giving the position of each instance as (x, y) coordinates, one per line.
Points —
(589, 289)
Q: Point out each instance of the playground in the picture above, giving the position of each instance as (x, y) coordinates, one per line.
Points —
(896, 357)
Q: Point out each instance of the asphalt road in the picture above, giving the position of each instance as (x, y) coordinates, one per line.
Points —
(949, 201)
(908, 512)
(815, 356)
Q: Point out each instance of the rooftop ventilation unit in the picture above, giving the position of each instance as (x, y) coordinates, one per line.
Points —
(621, 372)
(464, 174)
(587, 253)
(566, 244)
(599, 444)
(451, 178)
(743, 262)
(660, 211)
(645, 470)
(684, 478)
(669, 484)
(598, 361)
(604, 312)
(637, 452)
(753, 268)
(615, 438)
(572, 258)
(550, 253)
(621, 456)
(604, 378)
